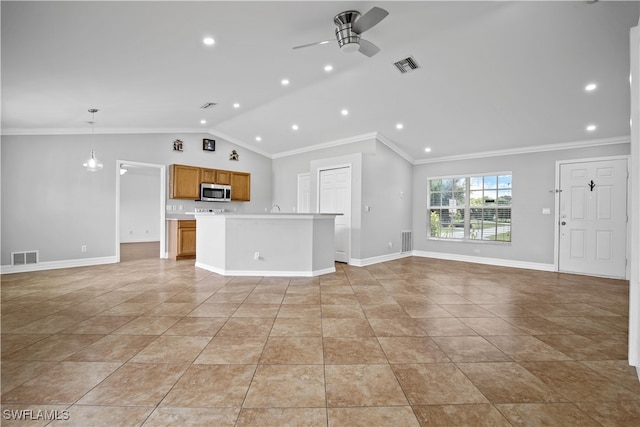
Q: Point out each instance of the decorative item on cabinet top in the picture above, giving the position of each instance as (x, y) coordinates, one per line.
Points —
(177, 145)
(234, 155)
(209, 144)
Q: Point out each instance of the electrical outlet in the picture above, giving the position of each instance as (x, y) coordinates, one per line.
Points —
(256, 256)
(390, 245)
(83, 248)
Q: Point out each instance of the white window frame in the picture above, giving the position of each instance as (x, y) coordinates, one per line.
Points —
(467, 208)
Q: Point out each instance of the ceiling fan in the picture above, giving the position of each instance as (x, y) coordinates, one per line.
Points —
(349, 25)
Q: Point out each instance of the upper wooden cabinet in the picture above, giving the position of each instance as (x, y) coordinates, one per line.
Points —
(223, 177)
(184, 182)
(240, 186)
(208, 176)
(215, 176)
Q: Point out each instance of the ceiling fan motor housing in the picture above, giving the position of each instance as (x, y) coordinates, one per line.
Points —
(348, 40)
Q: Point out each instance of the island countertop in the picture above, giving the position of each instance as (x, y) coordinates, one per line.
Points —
(265, 244)
(266, 215)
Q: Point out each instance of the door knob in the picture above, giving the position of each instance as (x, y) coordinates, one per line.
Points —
(563, 223)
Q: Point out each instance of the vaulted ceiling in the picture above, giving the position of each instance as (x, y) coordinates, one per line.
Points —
(493, 75)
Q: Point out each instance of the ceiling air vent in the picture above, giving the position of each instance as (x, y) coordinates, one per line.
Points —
(208, 105)
(406, 65)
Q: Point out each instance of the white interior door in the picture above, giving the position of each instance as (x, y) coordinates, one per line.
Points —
(335, 197)
(593, 218)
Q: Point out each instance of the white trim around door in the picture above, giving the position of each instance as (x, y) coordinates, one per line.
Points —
(162, 170)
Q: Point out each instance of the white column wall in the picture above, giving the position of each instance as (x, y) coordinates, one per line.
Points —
(634, 283)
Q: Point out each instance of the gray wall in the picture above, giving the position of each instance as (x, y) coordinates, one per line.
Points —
(387, 189)
(378, 177)
(533, 179)
(51, 204)
(286, 170)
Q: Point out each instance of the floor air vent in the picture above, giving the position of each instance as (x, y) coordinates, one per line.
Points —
(23, 258)
(407, 241)
(406, 65)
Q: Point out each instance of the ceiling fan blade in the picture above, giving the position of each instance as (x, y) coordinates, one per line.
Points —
(313, 44)
(369, 19)
(368, 48)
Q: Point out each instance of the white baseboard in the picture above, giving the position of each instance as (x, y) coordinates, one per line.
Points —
(53, 265)
(489, 261)
(264, 273)
(376, 259)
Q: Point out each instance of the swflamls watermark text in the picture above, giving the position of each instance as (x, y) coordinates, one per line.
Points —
(35, 414)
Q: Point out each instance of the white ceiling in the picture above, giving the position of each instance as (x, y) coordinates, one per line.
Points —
(494, 76)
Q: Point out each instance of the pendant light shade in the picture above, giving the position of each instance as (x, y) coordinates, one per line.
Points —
(92, 164)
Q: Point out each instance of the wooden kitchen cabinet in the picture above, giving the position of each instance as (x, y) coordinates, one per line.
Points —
(184, 182)
(223, 177)
(240, 186)
(216, 176)
(208, 176)
(182, 239)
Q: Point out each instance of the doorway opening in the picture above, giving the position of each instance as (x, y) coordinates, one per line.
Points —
(140, 210)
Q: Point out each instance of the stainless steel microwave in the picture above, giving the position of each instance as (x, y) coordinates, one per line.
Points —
(215, 192)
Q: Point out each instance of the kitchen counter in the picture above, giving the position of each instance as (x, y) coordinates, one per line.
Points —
(265, 244)
(180, 217)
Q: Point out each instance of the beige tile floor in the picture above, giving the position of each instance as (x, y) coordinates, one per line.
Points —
(409, 342)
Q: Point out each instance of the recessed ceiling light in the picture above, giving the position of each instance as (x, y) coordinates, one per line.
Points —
(591, 128)
(236, 105)
(399, 126)
(258, 138)
(344, 112)
(427, 150)
(294, 127)
(208, 41)
(328, 68)
(590, 87)
(285, 82)
(203, 122)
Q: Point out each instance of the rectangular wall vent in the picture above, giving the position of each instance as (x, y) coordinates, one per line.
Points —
(208, 105)
(407, 241)
(24, 258)
(406, 65)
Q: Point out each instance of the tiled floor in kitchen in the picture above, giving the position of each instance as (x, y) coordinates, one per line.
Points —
(407, 342)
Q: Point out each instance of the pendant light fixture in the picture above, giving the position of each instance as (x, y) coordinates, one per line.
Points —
(92, 164)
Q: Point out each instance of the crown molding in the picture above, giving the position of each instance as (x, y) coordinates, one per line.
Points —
(386, 141)
(138, 131)
(329, 144)
(76, 131)
(529, 150)
(343, 141)
(239, 143)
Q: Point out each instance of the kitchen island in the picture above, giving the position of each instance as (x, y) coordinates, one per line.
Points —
(270, 244)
